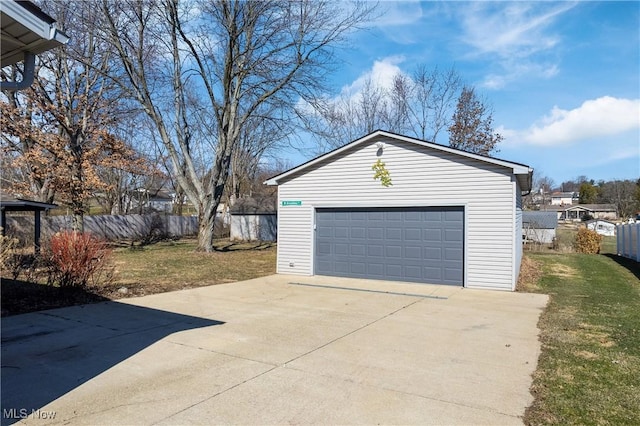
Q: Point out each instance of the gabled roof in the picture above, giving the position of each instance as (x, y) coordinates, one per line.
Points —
(593, 207)
(523, 172)
(540, 220)
(600, 221)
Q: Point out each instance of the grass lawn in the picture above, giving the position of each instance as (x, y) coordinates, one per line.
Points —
(169, 266)
(157, 268)
(589, 368)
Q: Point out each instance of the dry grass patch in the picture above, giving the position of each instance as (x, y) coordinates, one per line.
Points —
(563, 271)
(170, 266)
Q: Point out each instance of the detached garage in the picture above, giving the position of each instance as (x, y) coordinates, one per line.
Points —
(396, 208)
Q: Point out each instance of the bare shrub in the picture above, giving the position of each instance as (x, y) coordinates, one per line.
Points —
(74, 259)
(8, 246)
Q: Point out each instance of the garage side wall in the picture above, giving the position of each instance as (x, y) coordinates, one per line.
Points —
(420, 176)
(517, 241)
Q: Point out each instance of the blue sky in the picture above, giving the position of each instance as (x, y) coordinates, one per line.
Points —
(563, 77)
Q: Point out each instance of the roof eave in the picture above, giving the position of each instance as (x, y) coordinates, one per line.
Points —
(37, 23)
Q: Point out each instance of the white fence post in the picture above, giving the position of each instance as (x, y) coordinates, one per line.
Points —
(628, 241)
(637, 235)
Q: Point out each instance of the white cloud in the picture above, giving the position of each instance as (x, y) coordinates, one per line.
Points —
(516, 35)
(596, 118)
(381, 75)
(513, 72)
(511, 29)
(399, 13)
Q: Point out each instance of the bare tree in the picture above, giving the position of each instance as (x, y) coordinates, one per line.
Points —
(242, 59)
(472, 128)
(433, 96)
(420, 106)
(622, 194)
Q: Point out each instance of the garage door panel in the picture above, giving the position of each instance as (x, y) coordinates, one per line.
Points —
(412, 234)
(432, 235)
(375, 250)
(340, 249)
(341, 232)
(407, 244)
(433, 273)
(394, 251)
(453, 235)
(324, 248)
(432, 253)
(413, 252)
(376, 233)
(393, 271)
(414, 272)
(453, 216)
(342, 267)
(358, 250)
(453, 254)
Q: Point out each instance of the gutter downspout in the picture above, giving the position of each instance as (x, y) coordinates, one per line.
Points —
(28, 75)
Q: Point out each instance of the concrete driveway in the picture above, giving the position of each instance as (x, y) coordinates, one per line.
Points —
(277, 350)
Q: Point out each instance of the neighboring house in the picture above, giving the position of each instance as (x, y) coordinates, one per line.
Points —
(562, 198)
(602, 227)
(578, 212)
(539, 227)
(254, 220)
(26, 32)
(448, 217)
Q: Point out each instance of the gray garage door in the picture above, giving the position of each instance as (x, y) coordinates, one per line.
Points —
(419, 244)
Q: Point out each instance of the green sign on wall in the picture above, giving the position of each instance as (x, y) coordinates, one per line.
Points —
(291, 203)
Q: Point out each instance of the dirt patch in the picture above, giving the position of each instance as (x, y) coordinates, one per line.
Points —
(530, 273)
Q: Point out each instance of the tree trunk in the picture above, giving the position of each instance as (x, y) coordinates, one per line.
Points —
(76, 195)
(206, 225)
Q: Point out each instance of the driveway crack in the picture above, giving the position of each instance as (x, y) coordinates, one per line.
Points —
(350, 333)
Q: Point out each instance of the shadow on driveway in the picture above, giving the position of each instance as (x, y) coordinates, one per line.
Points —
(49, 353)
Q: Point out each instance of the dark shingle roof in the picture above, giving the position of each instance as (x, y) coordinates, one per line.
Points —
(540, 220)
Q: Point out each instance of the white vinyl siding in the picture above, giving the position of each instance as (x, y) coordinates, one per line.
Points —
(420, 177)
(517, 238)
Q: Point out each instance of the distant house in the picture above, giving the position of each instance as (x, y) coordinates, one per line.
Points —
(579, 212)
(254, 220)
(539, 227)
(562, 198)
(602, 227)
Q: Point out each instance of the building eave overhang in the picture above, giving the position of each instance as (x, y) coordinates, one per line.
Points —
(20, 205)
(26, 29)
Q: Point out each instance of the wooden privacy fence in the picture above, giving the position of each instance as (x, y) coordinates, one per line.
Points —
(628, 241)
(109, 227)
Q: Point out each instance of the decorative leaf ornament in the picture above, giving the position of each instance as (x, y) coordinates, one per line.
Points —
(381, 173)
